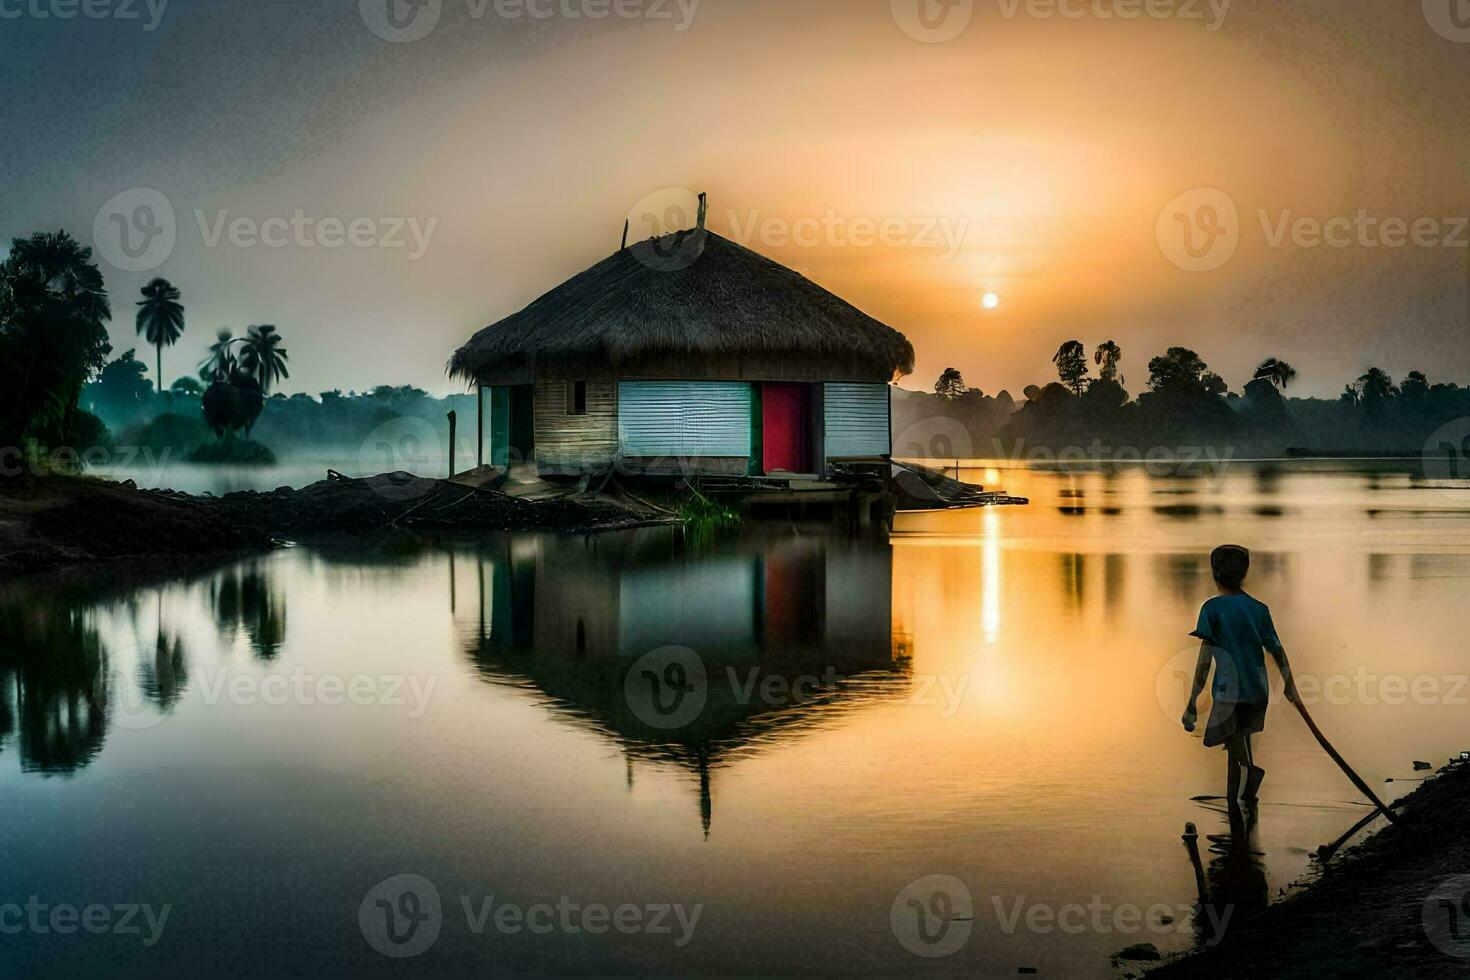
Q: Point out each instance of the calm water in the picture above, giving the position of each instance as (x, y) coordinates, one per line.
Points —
(991, 696)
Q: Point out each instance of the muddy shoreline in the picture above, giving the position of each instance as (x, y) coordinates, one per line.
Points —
(1373, 910)
(56, 522)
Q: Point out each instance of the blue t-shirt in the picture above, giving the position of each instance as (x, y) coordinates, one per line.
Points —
(1239, 630)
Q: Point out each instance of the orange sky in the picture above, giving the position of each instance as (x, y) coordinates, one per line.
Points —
(1046, 148)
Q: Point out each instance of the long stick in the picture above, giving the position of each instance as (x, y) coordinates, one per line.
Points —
(1342, 763)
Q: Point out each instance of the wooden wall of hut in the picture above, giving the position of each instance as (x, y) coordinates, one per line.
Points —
(568, 443)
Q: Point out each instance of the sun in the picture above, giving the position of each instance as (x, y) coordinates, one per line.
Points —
(990, 301)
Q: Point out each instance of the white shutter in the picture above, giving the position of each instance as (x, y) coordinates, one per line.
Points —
(684, 418)
(855, 419)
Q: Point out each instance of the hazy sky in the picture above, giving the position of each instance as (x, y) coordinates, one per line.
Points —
(1028, 156)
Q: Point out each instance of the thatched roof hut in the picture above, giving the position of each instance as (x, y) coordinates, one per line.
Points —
(686, 353)
(657, 309)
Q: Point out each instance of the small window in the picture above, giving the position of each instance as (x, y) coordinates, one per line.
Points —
(576, 398)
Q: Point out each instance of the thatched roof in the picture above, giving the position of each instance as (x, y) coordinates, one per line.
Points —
(687, 305)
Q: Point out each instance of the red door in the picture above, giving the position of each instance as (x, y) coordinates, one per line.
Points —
(785, 428)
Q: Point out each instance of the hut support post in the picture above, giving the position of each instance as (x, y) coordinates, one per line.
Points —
(480, 428)
(453, 419)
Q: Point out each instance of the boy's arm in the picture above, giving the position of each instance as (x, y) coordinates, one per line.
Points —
(1201, 674)
(1278, 653)
(1284, 665)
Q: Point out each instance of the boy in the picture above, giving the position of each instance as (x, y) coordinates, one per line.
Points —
(1235, 629)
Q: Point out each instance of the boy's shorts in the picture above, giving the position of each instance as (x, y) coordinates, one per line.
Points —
(1229, 718)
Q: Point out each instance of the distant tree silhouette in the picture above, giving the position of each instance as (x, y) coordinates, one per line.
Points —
(951, 384)
(264, 357)
(1276, 371)
(1179, 371)
(122, 388)
(1107, 356)
(234, 398)
(160, 318)
(1415, 387)
(1071, 362)
(219, 359)
(1376, 389)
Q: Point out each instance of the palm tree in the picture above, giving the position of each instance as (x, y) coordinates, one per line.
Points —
(160, 318)
(264, 357)
(1071, 362)
(219, 363)
(1106, 358)
(1276, 371)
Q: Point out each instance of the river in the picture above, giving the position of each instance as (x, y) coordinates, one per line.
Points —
(952, 750)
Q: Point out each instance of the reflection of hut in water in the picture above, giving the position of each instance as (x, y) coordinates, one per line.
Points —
(772, 637)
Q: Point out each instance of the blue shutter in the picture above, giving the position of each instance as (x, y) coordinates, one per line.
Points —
(684, 418)
(855, 419)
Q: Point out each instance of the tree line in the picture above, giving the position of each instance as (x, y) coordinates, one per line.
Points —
(54, 308)
(1184, 401)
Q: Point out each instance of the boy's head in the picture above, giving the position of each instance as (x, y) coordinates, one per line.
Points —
(1230, 562)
